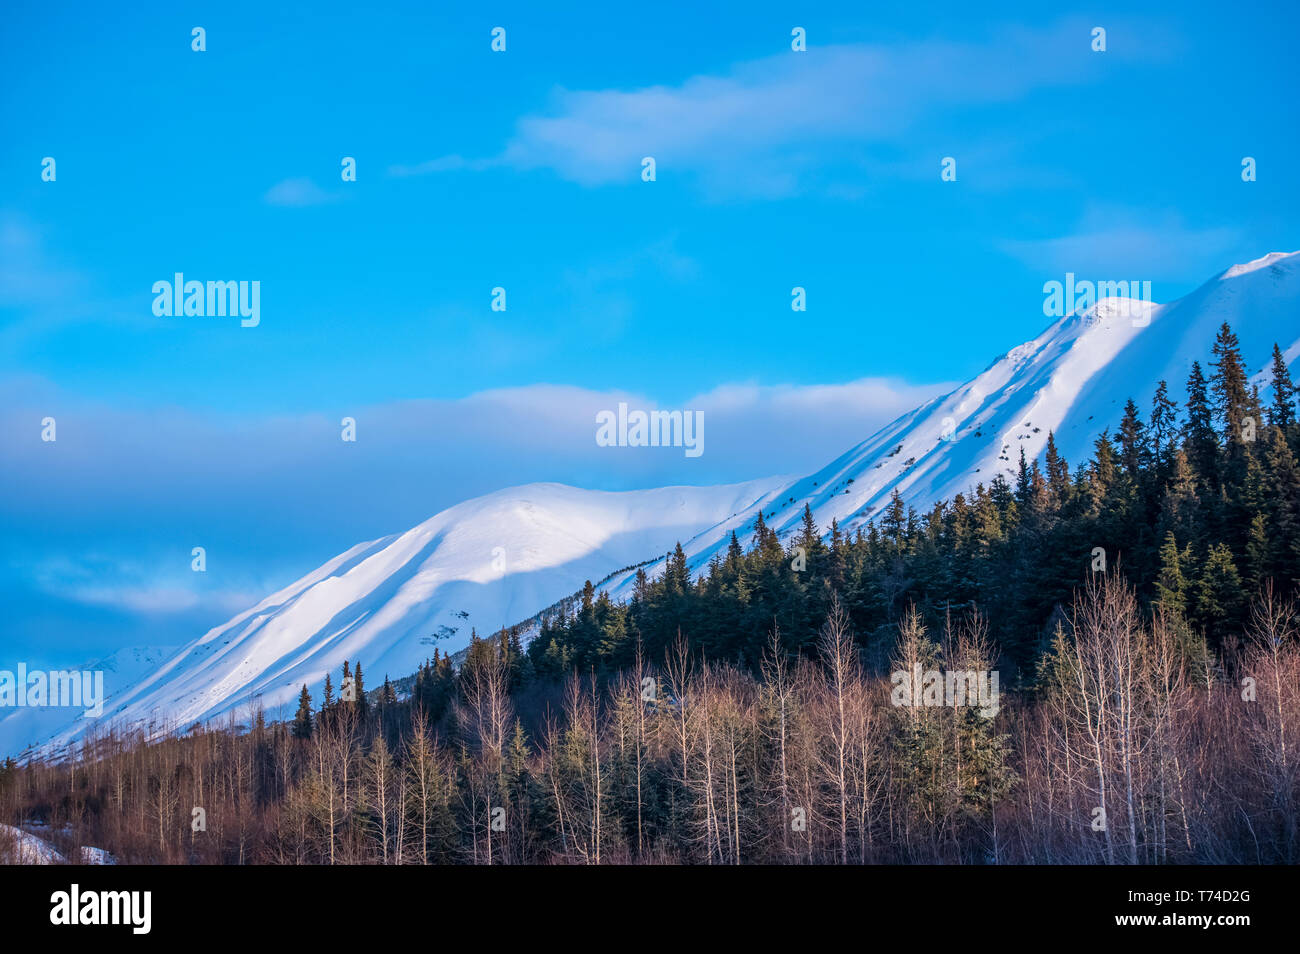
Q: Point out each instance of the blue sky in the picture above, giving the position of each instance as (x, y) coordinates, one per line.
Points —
(522, 170)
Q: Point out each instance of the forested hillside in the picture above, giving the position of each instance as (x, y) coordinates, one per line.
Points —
(1137, 609)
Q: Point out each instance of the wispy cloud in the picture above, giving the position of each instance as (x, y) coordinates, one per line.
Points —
(127, 584)
(298, 192)
(29, 275)
(160, 599)
(1111, 242)
(452, 163)
(754, 127)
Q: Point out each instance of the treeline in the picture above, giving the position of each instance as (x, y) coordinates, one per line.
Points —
(1149, 705)
(1198, 506)
(1120, 754)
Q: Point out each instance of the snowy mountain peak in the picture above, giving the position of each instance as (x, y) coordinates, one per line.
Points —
(1252, 266)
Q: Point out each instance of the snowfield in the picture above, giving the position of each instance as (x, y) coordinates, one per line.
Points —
(499, 559)
(484, 563)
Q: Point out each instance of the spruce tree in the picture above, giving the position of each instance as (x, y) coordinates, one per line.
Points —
(809, 535)
(1058, 472)
(677, 574)
(1171, 585)
(1229, 386)
(1201, 443)
(1164, 425)
(1283, 474)
(302, 719)
(839, 548)
(894, 521)
(1220, 595)
(1103, 472)
(1257, 553)
(360, 690)
(1024, 488)
(760, 531)
(1282, 412)
(810, 540)
(734, 557)
(1132, 442)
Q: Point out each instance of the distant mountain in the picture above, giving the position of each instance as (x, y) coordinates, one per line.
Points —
(499, 559)
(484, 563)
(21, 727)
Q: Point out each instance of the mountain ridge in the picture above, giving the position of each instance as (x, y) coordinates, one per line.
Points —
(500, 559)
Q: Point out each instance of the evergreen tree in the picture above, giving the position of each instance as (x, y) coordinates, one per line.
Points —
(1180, 508)
(1058, 472)
(894, 522)
(735, 556)
(1220, 595)
(810, 540)
(1134, 453)
(1164, 425)
(302, 719)
(1229, 385)
(362, 707)
(1103, 466)
(1283, 475)
(1024, 488)
(1282, 412)
(1200, 441)
(677, 574)
(1171, 585)
(1257, 552)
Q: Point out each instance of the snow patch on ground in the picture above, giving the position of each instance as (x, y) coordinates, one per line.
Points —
(18, 847)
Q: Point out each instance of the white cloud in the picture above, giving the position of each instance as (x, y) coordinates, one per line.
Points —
(183, 478)
(1114, 243)
(161, 599)
(752, 128)
(298, 192)
(93, 578)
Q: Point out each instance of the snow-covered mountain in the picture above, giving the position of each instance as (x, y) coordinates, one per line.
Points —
(500, 559)
(22, 726)
(1074, 380)
(484, 563)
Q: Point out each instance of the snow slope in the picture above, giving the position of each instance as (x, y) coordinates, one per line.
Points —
(499, 559)
(1074, 379)
(21, 726)
(484, 563)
